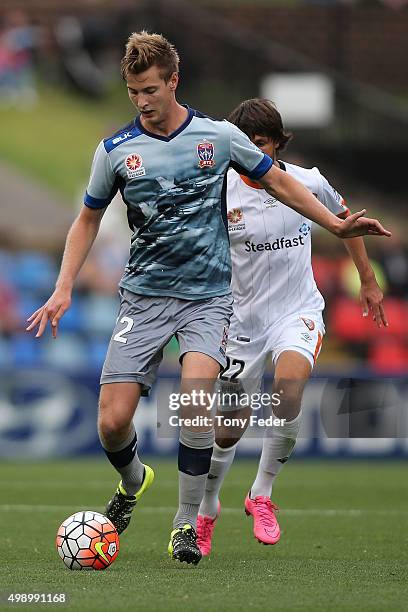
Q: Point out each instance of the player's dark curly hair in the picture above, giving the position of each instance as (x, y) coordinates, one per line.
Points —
(144, 50)
(260, 117)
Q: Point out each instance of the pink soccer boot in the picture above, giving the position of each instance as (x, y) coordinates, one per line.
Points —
(266, 526)
(205, 530)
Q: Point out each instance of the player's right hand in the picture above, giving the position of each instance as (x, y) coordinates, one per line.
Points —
(358, 225)
(51, 311)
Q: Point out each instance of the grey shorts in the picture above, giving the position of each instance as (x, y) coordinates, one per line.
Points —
(146, 324)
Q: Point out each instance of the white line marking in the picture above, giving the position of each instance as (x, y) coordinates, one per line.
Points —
(90, 484)
(171, 509)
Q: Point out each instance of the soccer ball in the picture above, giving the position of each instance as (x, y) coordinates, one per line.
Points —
(87, 540)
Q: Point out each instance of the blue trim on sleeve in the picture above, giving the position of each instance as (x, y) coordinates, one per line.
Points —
(92, 202)
(262, 168)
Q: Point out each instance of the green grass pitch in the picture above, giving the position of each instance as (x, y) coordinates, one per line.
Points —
(344, 542)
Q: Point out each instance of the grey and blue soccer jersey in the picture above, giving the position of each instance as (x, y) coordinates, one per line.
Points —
(174, 190)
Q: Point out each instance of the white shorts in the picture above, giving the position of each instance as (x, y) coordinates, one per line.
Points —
(247, 357)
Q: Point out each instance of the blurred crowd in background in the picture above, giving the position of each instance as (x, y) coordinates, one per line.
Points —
(352, 343)
(79, 51)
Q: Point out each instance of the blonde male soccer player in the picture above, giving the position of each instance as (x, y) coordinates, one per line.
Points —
(169, 165)
(277, 314)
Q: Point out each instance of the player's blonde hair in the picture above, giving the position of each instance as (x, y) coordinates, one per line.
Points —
(144, 50)
(260, 117)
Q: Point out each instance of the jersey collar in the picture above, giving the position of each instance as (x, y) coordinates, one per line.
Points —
(182, 127)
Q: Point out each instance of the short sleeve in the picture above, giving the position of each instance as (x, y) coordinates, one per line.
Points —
(102, 185)
(246, 158)
(332, 199)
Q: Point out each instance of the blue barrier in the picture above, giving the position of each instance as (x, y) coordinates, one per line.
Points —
(48, 413)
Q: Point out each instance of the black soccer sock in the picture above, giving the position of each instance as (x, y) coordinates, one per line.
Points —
(125, 460)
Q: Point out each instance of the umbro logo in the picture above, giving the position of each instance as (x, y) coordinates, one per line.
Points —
(211, 476)
(271, 203)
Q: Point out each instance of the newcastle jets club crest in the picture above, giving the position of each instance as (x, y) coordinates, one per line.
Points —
(205, 152)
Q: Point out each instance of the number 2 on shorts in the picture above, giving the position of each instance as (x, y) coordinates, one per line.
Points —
(129, 324)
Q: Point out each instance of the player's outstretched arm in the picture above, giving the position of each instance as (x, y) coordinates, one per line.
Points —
(371, 296)
(79, 241)
(292, 193)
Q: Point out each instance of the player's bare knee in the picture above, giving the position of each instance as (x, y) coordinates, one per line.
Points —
(110, 434)
(231, 426)
(113, 423)
(290, 395)
(289, 406)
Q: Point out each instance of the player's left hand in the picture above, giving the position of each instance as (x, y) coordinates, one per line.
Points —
(371, 298)
(358, 225)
